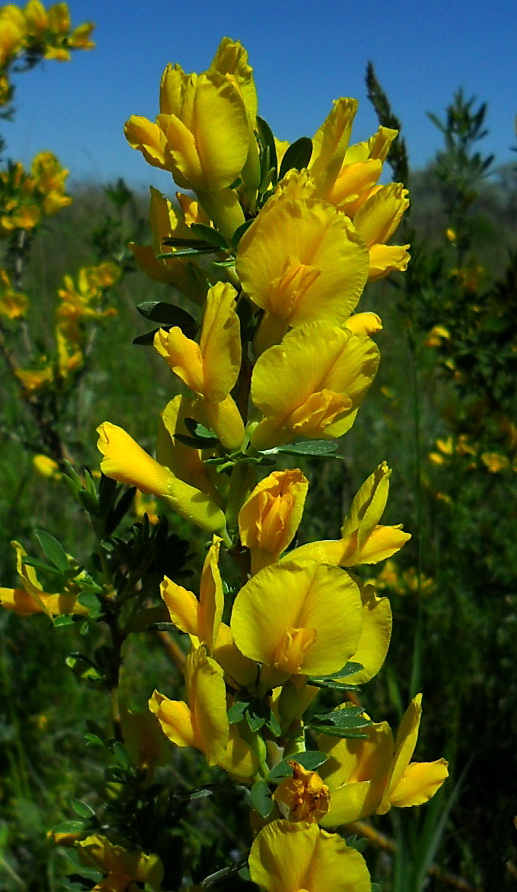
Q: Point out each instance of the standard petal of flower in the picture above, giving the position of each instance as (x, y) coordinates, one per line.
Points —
(298, 619)
(292, 383)
(379, 216)
(206, 694)
(301, 261)
(182, 605)
(385, 259)
(330, 142)
(220, 342)
(288, 856)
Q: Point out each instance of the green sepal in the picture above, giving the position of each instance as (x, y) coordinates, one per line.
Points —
(261, 798)
(297, 156)
(239, 232)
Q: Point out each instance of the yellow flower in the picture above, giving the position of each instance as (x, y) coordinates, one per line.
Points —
(298, 619)
(269, 518)
(211, 368)
(299, 857)
(13, 304)
(304, 794)
(311, 385)
(200, 618)
(376, 221)
(202, 723)
(376, 773)
(301, 261)
(185, 462)
(46, 467)
(32, 599)
(123, 868)
(167, 222)
(363, 539)
(124, 460)
(202, 134)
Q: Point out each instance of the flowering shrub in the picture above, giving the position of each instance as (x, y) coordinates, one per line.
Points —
(272, 359)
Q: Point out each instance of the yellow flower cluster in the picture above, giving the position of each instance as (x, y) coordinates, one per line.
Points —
(274, 359)
(28, 197)
(80, 304)
(36, 32)
(282, 357)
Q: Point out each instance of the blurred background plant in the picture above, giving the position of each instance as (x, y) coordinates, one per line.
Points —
(447, 428)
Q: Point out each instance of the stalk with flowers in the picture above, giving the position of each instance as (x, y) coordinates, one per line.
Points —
(270, 249)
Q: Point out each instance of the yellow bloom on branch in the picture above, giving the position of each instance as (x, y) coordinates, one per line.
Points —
(202, 721)
(298, 619)
(33, 599)
(124, 460)
(123, 868)
(201, 618)
(202, 134)
(300, 857)
(210, 368)
(301, 261)
(363, 539)
(376, 221)
(270, 517)
(374, 774)
(311, 385)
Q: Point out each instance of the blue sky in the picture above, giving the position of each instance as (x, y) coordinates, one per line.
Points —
(304, 55)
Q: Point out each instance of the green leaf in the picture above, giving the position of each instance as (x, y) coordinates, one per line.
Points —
(82, 809)
(201, 437)
(146, 339)
(310, 760)
(187, 252)
(62, 621)
(89, 599)
(121, 755)
(330, 681)
(211, 235)
(346, 717)
(268, 158)
(239, 232)
(53, 550)
(261, 798)
(168, 315)
(273, 724)
(297, 156)
(237, 712)
(315, 448)
(69, 827)
(94, 740)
